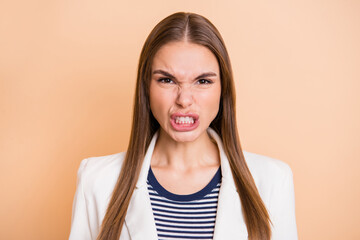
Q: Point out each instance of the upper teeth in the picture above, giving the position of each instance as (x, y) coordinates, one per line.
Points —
(187, 120)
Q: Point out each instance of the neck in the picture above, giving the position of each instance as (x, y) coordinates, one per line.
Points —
(169, 153)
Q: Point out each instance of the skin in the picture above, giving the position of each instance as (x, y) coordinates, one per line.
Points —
(185, 79)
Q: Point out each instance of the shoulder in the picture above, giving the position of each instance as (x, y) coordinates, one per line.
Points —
(101, 172)
(260, 164)
(96, 165)
(266, 171)
(274, 181)
(96, 179)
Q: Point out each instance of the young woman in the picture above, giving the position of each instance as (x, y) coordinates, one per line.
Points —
(184, 175)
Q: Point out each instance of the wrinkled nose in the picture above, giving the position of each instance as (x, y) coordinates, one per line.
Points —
(184, 97)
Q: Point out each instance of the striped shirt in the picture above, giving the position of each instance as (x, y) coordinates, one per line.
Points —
(184, 216)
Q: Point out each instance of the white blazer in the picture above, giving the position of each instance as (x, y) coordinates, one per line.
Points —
(97, 177)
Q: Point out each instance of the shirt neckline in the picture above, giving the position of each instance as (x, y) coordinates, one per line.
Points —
(186, 197)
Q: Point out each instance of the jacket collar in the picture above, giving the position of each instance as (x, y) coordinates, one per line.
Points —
(225, 167)
(139, 218)
(229, 223)
(146, 163)
(229, 219)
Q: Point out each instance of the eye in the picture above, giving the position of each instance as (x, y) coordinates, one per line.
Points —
(165, 80)
(204, 81)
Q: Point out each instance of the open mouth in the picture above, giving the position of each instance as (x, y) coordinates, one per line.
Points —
(184, 122)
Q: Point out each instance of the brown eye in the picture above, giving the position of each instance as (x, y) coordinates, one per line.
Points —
(165, 80)
(204, 81)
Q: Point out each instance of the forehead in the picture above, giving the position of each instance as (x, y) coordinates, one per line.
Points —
(185, 58)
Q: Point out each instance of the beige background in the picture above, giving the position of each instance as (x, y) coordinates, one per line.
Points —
(67, 76)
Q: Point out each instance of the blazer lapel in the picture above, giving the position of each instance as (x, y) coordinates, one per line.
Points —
(229, 223)
(229, 219)
(139, 218)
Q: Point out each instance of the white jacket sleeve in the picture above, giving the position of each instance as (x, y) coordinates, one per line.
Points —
(282, 208)
(80, 226)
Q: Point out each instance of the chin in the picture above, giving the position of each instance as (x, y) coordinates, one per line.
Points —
(184, 137)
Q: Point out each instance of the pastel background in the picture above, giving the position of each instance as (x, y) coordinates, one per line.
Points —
(67, 77)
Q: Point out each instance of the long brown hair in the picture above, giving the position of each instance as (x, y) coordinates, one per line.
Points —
(196, 29)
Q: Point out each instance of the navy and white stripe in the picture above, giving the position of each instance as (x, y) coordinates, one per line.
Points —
(184, 216)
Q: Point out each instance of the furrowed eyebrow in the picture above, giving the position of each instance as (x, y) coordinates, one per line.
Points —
(163, 73)
(205, 75)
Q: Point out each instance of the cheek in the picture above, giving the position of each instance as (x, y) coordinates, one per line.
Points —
(159, 105)
(215, 106)
(211, 102)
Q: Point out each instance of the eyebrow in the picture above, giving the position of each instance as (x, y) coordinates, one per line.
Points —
(203, 75)
(163, 73)
(207, 74)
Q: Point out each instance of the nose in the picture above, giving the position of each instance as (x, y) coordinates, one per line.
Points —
(184, 97)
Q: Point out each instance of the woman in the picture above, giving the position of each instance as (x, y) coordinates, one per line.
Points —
(184, 175)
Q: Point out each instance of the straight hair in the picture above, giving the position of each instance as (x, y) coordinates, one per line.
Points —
(196, 29)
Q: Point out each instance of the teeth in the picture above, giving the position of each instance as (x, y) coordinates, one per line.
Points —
(184, 120)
